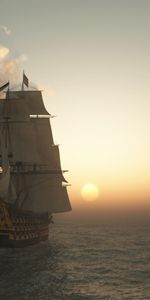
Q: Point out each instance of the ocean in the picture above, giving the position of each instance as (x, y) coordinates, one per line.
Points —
(108, 260)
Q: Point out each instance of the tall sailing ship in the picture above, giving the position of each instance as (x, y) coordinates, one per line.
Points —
(32, 185)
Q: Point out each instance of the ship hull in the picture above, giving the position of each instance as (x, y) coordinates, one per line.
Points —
(19, 228)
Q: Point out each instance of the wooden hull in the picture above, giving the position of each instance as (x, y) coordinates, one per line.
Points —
(19, 228)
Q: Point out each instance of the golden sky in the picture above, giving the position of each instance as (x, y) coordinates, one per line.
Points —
(92, 59)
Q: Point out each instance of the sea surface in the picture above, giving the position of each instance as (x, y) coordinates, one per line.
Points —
(80, 262)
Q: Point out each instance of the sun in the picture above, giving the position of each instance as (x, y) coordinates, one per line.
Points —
(89, 192)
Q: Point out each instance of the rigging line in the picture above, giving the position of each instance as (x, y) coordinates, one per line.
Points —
(18, 196)
(25, 197)
(10, 186)
(25, 187)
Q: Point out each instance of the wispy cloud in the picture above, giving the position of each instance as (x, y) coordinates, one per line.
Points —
(5, 29)
(21, 58)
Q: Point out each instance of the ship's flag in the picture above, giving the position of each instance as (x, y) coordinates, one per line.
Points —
(25, 80)
(4, 86)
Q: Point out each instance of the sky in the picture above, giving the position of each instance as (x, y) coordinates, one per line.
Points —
(91, 58)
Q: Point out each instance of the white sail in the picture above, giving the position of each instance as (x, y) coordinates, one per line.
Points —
(56, 159)
(22, 143)
(32, 99)
(44, 140)
(13, 110)
(46, 193)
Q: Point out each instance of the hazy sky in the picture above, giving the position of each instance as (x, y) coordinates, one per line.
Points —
(92, 59)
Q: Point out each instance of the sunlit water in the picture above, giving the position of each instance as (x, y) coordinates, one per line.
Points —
(80, 262)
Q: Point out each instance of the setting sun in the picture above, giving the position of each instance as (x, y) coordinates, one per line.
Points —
(89, 192)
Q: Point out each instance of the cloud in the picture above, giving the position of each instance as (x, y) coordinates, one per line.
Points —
(5, 29)
(10, 65)
(21, 58)
(3, 52)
